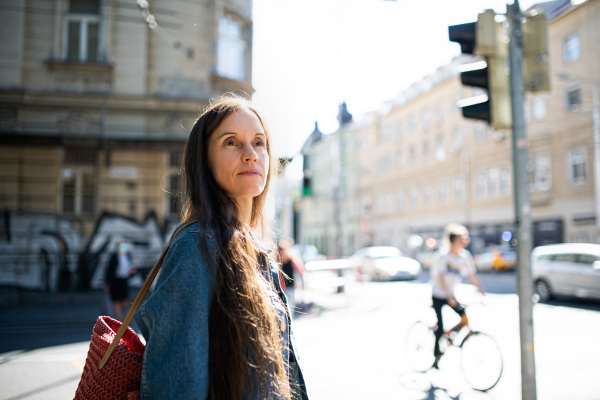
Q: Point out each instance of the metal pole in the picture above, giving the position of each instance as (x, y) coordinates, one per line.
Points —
(522, 203)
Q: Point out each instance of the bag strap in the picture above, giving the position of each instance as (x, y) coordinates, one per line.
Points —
(140, 297)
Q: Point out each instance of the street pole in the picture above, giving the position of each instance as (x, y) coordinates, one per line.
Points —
(522, 202)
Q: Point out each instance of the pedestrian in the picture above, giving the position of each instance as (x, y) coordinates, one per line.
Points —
(292, 267)
(452, 262)
(217, 325)
(120, 269)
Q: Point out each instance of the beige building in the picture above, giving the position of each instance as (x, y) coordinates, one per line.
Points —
(421, 165)
(97, 98)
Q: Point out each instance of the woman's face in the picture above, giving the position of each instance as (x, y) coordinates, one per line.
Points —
(238, 157)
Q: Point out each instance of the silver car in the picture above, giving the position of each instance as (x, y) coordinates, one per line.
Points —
(383, 263)
(569, 269)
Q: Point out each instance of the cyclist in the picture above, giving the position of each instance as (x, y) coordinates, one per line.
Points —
(451, 264)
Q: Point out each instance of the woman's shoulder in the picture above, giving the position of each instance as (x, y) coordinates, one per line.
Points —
(193, 231)
(188, 239)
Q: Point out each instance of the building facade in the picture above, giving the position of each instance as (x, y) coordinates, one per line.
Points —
(97, 98)
(421, 165)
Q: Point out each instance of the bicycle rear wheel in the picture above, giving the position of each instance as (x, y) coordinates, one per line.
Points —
(420, 341)
(481, 361)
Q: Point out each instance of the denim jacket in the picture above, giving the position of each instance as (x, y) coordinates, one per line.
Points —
(174, 321)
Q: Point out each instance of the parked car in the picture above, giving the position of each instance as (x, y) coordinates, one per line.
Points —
(385, 263)
(499, 258)
(308, 252)
(569, 269)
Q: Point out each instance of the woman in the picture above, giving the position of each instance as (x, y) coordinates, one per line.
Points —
(120, 269)
(217, 325)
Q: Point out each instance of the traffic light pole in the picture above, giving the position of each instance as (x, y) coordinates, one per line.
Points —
(522, 202)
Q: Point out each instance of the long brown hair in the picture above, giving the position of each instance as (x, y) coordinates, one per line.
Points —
(244, 342)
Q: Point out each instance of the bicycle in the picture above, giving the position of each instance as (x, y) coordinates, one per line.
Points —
(481, 360)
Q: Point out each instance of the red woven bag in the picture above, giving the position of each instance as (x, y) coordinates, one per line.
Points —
(120, 377)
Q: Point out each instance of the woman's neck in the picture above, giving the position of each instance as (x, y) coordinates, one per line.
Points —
(245, 212)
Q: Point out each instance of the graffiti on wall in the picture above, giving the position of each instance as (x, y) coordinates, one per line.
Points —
(37, 251)
(48, 252)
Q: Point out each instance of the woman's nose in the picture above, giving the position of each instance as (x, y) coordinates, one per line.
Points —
(249, 153)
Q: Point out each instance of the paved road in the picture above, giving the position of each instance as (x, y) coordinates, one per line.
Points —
(351, 346)
(355, 350)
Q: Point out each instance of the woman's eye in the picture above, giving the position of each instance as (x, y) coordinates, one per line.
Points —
(229, 142)
(259, 143)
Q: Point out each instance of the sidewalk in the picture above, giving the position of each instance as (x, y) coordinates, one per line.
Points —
(32, 320)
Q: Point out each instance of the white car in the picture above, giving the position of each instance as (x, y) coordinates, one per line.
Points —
(569, 269)
(385, 263)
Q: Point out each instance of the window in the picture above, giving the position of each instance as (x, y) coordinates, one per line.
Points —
(442, 192)
(492, 187)
(589, 259)
(385, 133)
(425, 149)
(459, 189)
(480, 180)
(457, 140)
(82, 31)
(439, 114)
(400, 158)
(401, 200)
(427, 195)
(399, 130)
(173, 190)
(384, 204)
(573, 98)
(504, 181)
(480, 131)
(231, 53)
(414, 197)
(571, 48)
(542, 173)
(78, 181)
(412, 122)
(440, 148)
(577, 164)
(412, 153)
(569, 258)
(538, 109)
(366, 206)
(78, 191)
(384, 164)
(425, 117)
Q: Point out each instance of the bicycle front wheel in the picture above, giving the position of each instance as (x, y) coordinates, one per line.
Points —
(481, 361)
(420, 341)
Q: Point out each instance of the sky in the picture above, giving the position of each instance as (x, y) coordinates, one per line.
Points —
(311, 55)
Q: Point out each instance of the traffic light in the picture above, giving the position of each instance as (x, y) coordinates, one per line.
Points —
(306, 186)
(536, 60)
(485, 38)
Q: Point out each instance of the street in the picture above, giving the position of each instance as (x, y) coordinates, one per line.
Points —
(351, 345)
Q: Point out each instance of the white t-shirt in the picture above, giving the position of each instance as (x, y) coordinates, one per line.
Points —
(454, 267)
(124, 266)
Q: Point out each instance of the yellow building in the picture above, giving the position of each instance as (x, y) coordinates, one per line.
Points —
(421, 165)
(97, 98)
